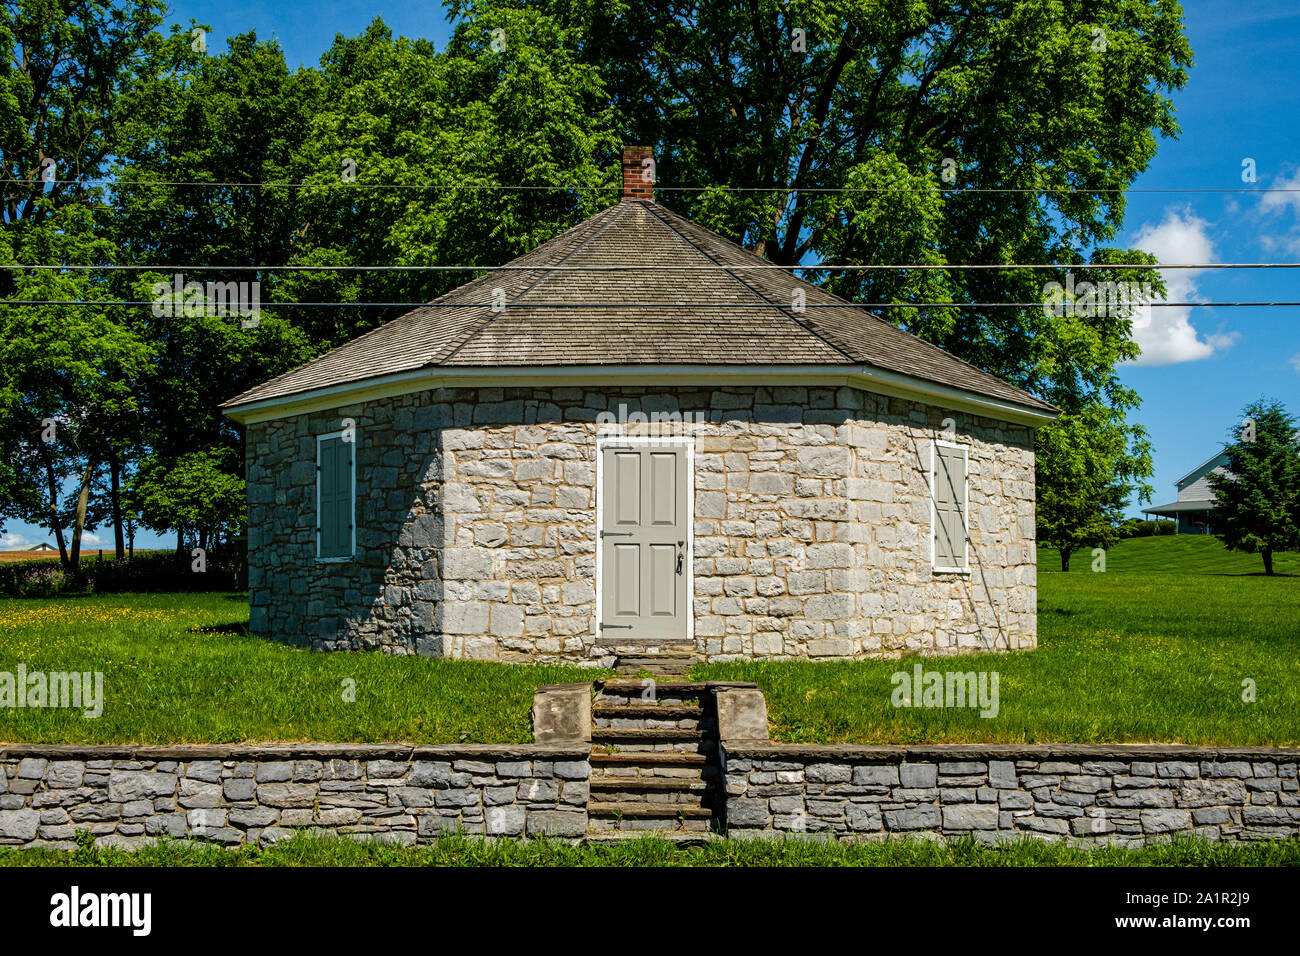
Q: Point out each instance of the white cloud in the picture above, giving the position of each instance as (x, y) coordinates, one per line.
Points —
(16, 542)
(1272, 202)
(1295, 361)
(1272, 206)
(1169, 336)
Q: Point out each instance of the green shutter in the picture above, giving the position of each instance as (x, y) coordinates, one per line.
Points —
(335, 512)
(949, 502)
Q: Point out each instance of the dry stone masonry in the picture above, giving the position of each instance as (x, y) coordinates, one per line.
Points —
(1117, 794)
(126, 796)
(475, 525)
(685, 758)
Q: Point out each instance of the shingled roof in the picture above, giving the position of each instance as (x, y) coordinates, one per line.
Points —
(727, 313)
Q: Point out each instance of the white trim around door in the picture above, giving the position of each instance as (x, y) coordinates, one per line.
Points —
(687, 442)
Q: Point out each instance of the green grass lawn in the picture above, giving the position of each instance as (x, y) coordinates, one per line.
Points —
(1133, 654)
(1182, 553)
(179, 667)
(453, 850)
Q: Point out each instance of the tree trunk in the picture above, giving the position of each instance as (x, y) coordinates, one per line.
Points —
(1268, 561)
(80, 522)
(1065, 560)
(115, 504)
(180, 545)
(53, 483)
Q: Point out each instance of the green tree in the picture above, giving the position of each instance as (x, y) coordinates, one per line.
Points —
(1088, 466)
(410, 149)
(1257, 503)
(229, 122)
(870, 132)
(66, 372)
(196, 497)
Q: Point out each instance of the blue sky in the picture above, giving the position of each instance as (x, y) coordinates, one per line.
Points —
(1202, 365)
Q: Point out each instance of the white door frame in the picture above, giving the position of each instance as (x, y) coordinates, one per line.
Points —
(683, 441)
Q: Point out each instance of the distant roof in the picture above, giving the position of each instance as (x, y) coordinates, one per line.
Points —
(1174, 507)
(1202, 468)
(737, 316)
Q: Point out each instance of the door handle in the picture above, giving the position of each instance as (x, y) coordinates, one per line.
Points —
(680, 557)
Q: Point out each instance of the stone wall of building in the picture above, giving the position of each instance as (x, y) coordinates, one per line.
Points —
(476, 525)
(233, 795)
(1123, 794)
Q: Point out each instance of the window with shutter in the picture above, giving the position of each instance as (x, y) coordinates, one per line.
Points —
(948, 493)
(335, 475)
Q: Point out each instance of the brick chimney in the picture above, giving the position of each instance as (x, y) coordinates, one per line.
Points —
(638, 174)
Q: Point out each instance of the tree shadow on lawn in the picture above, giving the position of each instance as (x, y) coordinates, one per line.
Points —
(238, 628)
(1250, 574)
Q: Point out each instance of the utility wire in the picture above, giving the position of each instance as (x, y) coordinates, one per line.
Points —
(140, 183)
(529, 304)
(655, 267)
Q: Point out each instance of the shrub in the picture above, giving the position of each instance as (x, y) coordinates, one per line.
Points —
(159, 571)
(1140, 528)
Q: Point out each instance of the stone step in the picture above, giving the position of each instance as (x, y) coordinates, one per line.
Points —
(648, 758)
(644, 811)
(674, 649)
(665, 739)
(692, 785)
(671, 800)
(633, 774)
(676, 837)
(643, 709)
(659, 670)
(674, 689)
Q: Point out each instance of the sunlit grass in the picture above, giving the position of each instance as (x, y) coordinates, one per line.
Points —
(179, 668)
(1184, 553)
(454, 850)
(1136, 656)
(1125, 655)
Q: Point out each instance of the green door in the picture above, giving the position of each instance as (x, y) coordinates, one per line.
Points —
(643, 542)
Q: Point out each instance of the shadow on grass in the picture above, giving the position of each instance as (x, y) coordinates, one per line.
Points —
(1250, 574)
(238, 628)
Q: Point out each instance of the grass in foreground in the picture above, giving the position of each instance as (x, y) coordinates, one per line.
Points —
(452, 850)
(1177, 553)
(1133, 656)
(1138, 656)
(179, 668)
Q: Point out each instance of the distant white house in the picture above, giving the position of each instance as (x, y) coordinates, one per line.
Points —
(1195, 504)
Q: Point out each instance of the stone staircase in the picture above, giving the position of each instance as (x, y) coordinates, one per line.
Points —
(654, 758)
(667, 661)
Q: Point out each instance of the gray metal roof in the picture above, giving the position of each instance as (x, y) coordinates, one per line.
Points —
(1174, 507)
(737, 316)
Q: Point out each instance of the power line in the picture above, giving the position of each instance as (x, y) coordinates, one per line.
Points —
(655, 267)
(529, 304)
(953, 191)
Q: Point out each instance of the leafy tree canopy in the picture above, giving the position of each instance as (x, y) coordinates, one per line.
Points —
(1257, 504)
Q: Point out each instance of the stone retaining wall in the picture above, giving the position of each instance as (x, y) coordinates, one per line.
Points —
(233, 795)
(1092, 794)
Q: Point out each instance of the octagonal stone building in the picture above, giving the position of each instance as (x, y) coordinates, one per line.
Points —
(577, 457)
